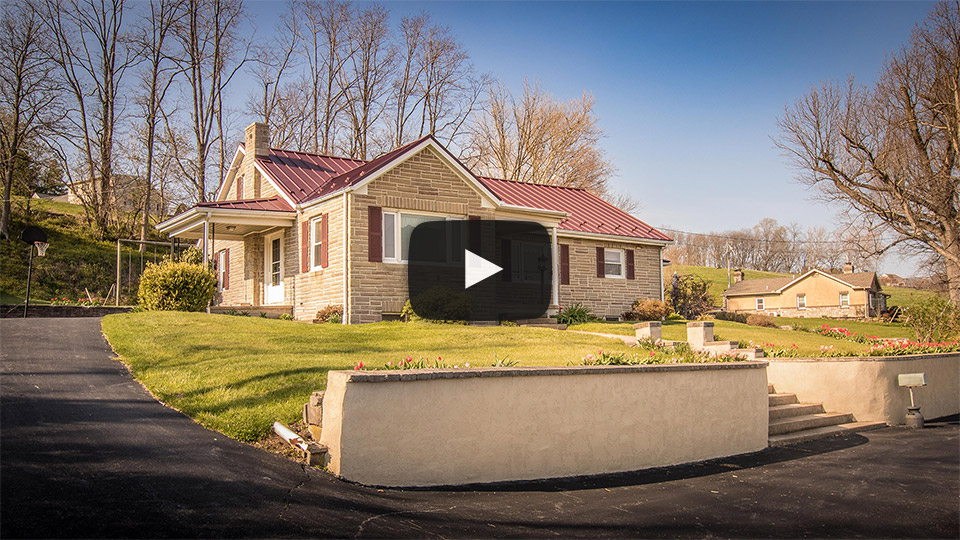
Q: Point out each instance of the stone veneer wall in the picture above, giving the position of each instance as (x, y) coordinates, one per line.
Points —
(421, 183)
(609, 297)
(317, 289)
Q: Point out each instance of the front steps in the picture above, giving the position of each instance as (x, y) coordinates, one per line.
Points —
(792, 422)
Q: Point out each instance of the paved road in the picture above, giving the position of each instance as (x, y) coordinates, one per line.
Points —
(86, 452)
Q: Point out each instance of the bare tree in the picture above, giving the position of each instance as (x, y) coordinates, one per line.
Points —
(211, 54)
(367, 82)
(29, 92)
(87, 45)
(890, 151)
(406, 100)
(278, 100)
(156, 79)
(539, 140)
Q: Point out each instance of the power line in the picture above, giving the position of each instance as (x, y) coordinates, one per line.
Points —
(739, 239)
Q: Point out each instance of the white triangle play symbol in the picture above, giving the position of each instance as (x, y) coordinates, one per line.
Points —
(476, 269)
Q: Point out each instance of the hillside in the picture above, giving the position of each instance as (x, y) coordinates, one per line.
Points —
(716, 278)
(74, 260)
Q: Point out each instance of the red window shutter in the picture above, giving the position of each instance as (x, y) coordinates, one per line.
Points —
(375, 233)
(473, 242)
(226, 269)
(564, 264)
(506, 254)
(600, 270)
(628, 253)
(324, 237)
(305, 246)
(240, 187)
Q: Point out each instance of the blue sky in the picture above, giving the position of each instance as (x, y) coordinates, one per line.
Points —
(688, 93)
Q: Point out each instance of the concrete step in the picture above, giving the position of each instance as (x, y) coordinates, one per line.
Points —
(807, 421)
(782, 399)
(794, 409)
(821, 432)
(538, 320)
(750, 354)
(721, 345)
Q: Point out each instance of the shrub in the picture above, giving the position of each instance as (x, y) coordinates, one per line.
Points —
(933, 320)
(674, 317)
(176, 286)
(286, 317)
(574, 314)
(439, 304)
(192, 255)
(331, 314)
(731, 316)
(630, 316)
(755, 319)
(689, 296)
(650, 310)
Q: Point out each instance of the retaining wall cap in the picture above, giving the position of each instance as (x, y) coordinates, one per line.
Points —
(931, 356)
(473, 373)
(647, 324)
(697, 324)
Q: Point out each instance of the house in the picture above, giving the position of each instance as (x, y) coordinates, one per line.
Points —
(813, 294)
(304, 231)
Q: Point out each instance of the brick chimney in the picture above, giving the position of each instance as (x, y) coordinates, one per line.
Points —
(256, 144)
(737, 275)
(848, 268)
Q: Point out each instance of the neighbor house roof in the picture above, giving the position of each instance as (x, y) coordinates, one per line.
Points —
(275, 204)
(748, 287)
(588, 213)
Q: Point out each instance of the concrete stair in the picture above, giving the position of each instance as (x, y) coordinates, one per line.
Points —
(792, 422)
(541, 322)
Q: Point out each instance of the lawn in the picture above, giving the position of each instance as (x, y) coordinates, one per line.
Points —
(238, 375)
(807, 343)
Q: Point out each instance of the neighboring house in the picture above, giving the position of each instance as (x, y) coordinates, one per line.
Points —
(813, 294)
(306, 231)
(128, 194)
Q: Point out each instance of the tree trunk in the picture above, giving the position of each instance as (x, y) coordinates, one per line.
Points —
(953, 278)
(7, 191)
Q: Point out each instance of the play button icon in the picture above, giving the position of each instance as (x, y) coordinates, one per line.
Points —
(476, 269)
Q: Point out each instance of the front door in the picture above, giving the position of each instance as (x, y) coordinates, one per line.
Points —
(273, 271)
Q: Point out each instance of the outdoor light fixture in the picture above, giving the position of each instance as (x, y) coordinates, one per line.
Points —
(231, 228)
(911, 380)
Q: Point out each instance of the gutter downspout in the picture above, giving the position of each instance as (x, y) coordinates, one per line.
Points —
(346, 258)
(661, 274)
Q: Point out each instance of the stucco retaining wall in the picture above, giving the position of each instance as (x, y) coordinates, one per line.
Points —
(867, 386)
(445, 427)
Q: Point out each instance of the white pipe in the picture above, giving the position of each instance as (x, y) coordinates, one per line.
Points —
(288, 435)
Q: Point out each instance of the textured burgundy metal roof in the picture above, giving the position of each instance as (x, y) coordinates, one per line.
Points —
(588, 213)
(274, 204)
(356, 174)
(301, 173)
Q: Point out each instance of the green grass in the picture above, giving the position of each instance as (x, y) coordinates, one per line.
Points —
(906, 297)
(10, 299)
(807, 343)
(238, 375)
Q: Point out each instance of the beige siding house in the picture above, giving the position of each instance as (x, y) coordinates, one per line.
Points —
(299, 232)
(813, 294)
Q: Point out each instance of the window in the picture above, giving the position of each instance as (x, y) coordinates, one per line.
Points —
(221, 269)
(873, 301)
(316, 241)
(801, 301)
(399, 226)
(275, 262)
(613, 263)
(759, 304)
(844, 299)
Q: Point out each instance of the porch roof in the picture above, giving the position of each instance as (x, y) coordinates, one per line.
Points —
(237, 219)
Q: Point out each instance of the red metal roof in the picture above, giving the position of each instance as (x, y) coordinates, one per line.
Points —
(300, 173)
(588, 213)
(357, 174)
(273, 204)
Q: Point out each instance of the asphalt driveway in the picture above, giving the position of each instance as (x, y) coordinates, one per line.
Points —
(85, 451)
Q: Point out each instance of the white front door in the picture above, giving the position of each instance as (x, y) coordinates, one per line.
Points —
(273, 269)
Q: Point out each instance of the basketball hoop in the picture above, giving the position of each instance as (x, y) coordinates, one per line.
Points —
(41, 248)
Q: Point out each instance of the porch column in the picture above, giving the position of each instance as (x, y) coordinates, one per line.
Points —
(555, 275)
(206, 235)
